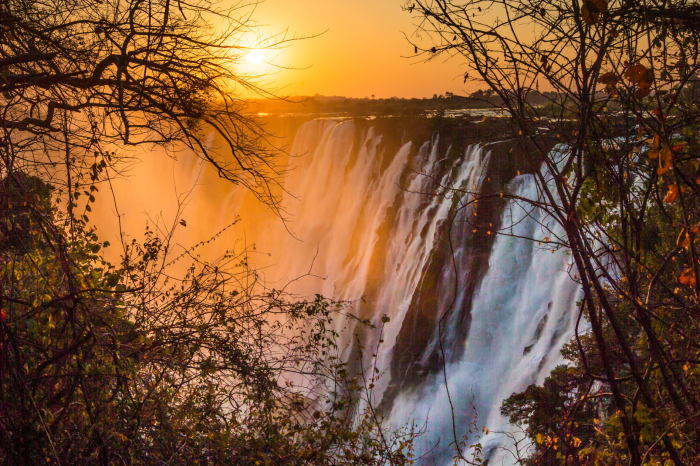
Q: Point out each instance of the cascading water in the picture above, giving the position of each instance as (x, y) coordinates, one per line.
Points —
(522, 315)
(369, 216)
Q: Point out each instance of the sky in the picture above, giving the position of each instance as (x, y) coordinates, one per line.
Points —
(361, 51)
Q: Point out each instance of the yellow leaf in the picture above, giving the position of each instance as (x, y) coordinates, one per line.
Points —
(611, 90)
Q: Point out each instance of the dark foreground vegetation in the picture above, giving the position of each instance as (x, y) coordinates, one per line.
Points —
(127, 363)
(624, 186)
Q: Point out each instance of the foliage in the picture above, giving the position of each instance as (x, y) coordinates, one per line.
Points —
(623, 186)
(129, 363)
(112, 365)
(81, 80)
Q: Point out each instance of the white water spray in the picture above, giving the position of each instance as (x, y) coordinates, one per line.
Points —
(367, 217)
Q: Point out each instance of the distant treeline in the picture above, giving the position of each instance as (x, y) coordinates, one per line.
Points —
(392, 106)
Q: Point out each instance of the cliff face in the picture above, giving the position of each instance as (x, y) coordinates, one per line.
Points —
(380, 213)
(384, 210)
(458, 248)
(440, 307)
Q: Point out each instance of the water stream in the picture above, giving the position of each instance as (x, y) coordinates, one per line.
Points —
(369, 216)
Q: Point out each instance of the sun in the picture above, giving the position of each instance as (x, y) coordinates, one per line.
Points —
(255, 57)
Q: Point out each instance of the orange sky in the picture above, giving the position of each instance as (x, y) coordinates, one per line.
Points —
(359, 55)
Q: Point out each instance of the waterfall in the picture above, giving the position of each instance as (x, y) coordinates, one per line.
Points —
(369, 216)
(522, 314)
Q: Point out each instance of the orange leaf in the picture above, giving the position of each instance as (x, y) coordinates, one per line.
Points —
(589, 17)
(647, 78)
(687, 277)
(672, 194)
(678, 147)
(656, 143)
(695, 229)
(666, 159)
(609, 79)
(683, 240)
(635, 73)
(642, 92)
(600, 5)
(591, 10)
(667, 155)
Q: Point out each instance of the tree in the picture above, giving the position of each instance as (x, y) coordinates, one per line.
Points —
(623, 185)
(126, 363)
(85, 77)
(542, 408)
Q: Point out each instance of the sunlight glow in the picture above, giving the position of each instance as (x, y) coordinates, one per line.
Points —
(255, 57)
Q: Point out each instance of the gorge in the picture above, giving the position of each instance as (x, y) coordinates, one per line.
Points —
(379, 213)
